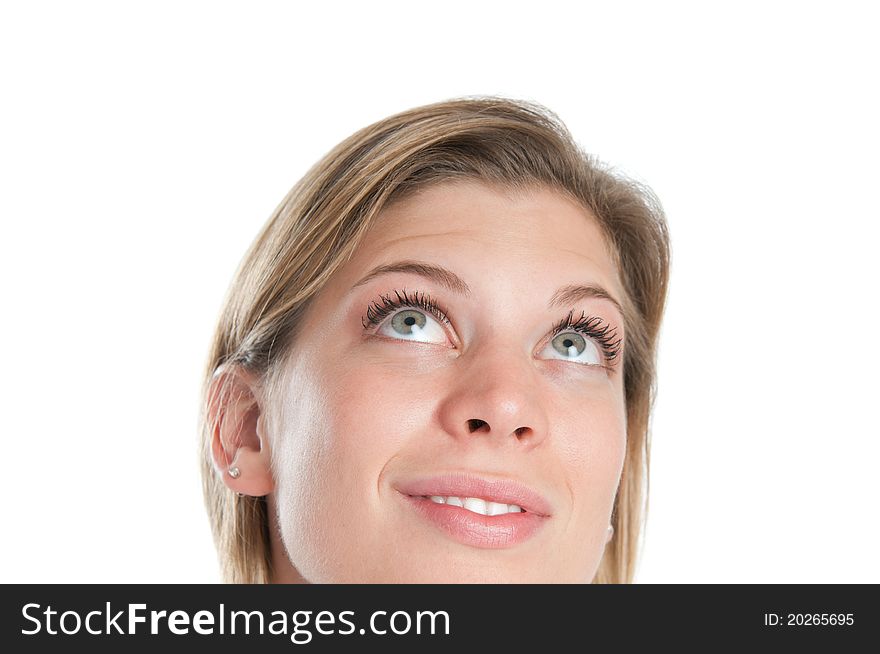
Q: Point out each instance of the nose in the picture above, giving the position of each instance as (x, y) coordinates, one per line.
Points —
(497, 394)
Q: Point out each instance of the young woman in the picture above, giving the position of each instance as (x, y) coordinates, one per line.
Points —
(436, 362)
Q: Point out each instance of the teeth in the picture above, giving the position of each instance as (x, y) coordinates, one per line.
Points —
(494, 508)
(477, 505)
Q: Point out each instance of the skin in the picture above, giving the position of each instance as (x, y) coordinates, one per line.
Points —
(358, 410)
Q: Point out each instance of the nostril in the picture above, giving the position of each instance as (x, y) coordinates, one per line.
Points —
(475, 424)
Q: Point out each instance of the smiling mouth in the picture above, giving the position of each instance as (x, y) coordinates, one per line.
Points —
(477, 493)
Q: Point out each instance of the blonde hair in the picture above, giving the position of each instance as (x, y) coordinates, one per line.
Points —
(319, 224)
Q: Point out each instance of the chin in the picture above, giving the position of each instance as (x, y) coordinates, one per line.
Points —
(472, 570)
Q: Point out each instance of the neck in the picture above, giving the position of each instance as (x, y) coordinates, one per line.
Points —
(283, 571)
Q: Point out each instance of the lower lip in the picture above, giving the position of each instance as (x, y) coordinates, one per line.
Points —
(475, 529)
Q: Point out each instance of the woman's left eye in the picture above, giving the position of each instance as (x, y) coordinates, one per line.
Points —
(574, 345)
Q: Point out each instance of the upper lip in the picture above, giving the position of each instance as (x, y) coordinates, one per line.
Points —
(506, 491)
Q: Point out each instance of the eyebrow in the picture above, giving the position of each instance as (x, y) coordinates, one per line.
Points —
(564, 296)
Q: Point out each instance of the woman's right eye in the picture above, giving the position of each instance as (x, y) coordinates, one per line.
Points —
(410, 324)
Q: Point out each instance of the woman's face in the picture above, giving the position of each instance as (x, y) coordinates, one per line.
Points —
(490, 405)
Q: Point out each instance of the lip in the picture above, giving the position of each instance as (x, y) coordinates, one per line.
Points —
(474, 529)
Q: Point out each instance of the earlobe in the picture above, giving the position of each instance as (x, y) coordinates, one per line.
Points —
(239, 446)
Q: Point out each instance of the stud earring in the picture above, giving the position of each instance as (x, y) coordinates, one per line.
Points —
(234, 472)
(610, 531)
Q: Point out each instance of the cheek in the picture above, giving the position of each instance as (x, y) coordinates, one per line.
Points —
(339, 429)
(593, 453)
(367, 422)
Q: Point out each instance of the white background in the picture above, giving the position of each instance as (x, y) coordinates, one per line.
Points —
(143, 145)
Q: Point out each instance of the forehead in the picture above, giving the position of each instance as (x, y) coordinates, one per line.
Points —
(538, 230)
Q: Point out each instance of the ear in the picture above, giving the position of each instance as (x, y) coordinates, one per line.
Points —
(237, 431)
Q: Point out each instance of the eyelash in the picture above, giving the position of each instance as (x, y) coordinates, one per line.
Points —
(591, 326)
(595, 328)
(376, 314)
